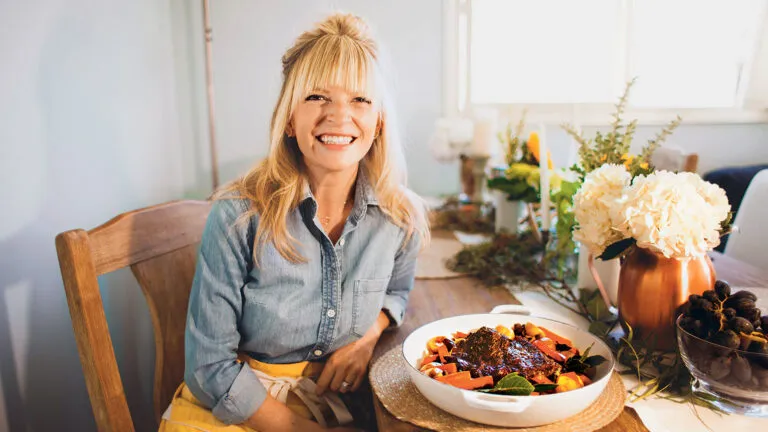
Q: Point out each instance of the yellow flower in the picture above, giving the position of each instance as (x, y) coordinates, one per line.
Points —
(644, 165)
(603, 158)
(628, 158)
(533, 147)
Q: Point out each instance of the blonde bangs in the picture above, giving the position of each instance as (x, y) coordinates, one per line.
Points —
(335, 61)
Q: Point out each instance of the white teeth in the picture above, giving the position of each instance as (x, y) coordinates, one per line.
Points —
(334, 139)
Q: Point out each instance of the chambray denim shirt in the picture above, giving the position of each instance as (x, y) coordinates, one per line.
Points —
(283, 312)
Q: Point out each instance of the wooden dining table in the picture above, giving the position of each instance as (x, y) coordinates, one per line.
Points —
(434, 299)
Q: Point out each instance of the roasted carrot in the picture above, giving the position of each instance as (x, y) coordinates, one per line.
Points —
(541, 379)
(550, 351)
(556, 337)
(442, 351)
(428, 359)
(450, 368)
(463, 375)
(460, 335)
(585, 379)
(470, 384)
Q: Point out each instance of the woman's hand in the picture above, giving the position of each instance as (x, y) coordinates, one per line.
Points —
(348, 364)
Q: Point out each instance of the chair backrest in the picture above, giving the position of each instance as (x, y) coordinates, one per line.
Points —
(672, 158)
(159, 244)
(750, 242)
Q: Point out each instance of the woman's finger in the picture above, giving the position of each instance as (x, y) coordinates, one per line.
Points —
(326, 376)
(339, 375)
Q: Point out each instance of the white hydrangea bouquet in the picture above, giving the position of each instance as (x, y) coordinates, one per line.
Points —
(678, 215)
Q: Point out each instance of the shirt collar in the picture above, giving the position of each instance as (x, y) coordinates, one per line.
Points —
(364, 195)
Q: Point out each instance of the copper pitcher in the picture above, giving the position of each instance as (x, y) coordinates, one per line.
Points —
(652, 288)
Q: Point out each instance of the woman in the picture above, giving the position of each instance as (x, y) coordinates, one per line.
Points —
(307, 258)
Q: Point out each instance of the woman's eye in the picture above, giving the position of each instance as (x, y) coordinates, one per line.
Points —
(315, 97)
(362, 100)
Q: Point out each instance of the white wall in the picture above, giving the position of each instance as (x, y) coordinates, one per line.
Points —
(88, 129)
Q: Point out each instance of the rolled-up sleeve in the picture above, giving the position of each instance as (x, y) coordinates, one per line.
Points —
(229, 388)
(401, 283)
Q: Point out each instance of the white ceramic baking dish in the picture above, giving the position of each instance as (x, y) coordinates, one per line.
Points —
(502, 410)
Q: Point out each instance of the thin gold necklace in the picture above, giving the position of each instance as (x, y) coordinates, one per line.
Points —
(325, 220)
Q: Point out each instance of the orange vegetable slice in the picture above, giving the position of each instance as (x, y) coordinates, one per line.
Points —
(550, 351)
(442, 351)
(458, 376)
(428, 359)
(556, 337)
(541, 379)
(585, 379)
(450, 368)
(574, 376)
(472, 383)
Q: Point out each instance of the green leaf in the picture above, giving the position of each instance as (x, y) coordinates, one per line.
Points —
(512, 384)
(585, 295)
(516, 190)
(541, 388)
(597, 308)
(595, 360)
(598, 328)
(617, 249)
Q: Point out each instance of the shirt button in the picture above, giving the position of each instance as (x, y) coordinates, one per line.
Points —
(318, 353)
(331, 313)
(341, 242)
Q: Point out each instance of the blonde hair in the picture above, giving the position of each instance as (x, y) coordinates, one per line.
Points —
(339, 51)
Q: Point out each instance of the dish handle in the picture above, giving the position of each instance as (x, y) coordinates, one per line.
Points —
(511, 309)
(485, 401)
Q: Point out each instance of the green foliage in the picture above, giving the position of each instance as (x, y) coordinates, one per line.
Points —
(562, 199)
(512, 384)
(453, 216)
(617, 249)
(505, 260)
(516, 189)
(614, 146)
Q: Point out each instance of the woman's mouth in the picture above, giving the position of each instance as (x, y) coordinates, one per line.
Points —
(336, 140)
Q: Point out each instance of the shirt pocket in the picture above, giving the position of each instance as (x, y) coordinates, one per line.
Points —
(368, 299)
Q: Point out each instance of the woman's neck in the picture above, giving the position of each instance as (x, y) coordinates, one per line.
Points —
(332, 189)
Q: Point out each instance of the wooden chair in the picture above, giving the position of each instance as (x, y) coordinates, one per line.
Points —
(160, 245)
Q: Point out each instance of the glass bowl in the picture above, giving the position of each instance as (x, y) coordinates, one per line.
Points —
(737, 379)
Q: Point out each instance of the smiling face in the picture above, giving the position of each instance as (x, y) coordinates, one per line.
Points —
(334, 128)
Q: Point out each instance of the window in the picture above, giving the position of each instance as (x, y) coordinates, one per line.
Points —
(557, 54)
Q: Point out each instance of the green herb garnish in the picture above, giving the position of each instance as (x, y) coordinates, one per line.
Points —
(512, 384)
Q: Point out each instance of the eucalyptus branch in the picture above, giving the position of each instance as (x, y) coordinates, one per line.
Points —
(521, 124)
(660, 137)
(616, 124)
(576, 135)
(626, 140)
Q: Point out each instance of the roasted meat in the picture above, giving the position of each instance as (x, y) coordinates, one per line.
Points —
(486, 352)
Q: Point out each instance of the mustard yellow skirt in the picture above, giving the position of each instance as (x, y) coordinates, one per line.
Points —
(186, 413)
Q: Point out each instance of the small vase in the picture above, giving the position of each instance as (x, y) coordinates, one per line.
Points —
(508, 213)
(607, 271)
(652, 288)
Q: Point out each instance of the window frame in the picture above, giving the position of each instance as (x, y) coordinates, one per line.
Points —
(457, 82)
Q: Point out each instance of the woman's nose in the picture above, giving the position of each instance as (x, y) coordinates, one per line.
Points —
(339, 112)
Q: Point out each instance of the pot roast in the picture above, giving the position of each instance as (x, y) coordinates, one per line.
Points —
(487, 352)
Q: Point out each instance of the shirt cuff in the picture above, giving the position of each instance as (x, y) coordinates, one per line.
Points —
(244, 397)
(395, 310)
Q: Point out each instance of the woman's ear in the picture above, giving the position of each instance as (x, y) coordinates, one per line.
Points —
(289, 129)
(379, 126)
